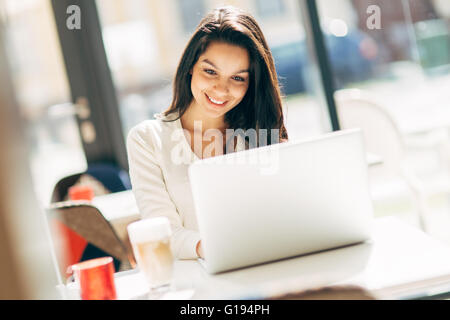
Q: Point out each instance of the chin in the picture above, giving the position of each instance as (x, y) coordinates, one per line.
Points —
(214, 113)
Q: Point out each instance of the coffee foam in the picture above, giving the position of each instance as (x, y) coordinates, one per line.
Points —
(150, 229)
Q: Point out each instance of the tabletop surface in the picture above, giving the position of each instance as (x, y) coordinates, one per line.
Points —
(117, 205)
(398, 261)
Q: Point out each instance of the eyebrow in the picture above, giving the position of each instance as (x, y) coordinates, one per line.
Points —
(212, 64)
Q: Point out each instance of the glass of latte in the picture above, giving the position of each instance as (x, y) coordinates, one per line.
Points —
(150, 239)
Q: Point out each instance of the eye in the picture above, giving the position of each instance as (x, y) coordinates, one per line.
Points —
(209, 71)
(237, 78)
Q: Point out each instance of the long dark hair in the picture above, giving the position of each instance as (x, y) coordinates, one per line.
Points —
(261, 107)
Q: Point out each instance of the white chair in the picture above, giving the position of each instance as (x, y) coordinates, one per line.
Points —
(357, 109)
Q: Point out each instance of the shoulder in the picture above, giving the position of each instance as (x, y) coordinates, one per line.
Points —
(142, 132)
(151, 133)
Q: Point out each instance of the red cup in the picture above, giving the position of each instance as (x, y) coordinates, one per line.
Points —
(81, 193)
(95, 278)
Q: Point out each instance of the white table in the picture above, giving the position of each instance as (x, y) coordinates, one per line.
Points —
(119, 208)
(373, 159)
(399, 261)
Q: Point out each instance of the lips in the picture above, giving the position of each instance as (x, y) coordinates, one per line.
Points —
(216, 102)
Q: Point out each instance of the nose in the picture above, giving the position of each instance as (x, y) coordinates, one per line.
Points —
(221, 87)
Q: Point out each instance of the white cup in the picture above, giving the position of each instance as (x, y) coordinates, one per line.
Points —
(150, 239)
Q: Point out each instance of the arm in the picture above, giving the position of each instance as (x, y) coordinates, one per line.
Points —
(151, 194)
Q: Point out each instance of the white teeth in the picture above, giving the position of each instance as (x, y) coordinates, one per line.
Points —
(215, 101)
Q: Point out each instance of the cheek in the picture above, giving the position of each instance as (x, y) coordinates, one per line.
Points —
(239, 91)
(198, 83)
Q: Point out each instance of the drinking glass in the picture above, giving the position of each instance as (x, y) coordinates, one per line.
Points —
(150, 239)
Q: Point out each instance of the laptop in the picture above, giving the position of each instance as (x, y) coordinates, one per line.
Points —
(283, 200)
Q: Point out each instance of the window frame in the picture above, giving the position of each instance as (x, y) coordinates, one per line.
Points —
(90, 80)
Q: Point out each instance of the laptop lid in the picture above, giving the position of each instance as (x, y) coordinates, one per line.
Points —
(282, 200)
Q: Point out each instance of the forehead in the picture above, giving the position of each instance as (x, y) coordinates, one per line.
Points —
(226, 56)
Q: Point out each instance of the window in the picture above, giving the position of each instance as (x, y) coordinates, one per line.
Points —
(43, 94)
(403, 62)
(192, 11)
(270, 8)
(144, 44)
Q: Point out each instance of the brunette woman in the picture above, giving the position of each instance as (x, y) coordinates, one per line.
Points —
(226, 80)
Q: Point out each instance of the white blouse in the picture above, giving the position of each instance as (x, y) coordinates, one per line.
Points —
(159, 156)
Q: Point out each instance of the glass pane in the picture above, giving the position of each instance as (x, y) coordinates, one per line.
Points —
(43, 93)
(143, 51)
(270, 8)
(397, 53)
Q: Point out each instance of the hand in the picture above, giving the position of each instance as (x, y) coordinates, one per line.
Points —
(199, 250)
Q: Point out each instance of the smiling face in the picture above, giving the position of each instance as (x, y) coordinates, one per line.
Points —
(220, 79)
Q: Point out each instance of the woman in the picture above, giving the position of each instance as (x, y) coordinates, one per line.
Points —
(225, 81)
